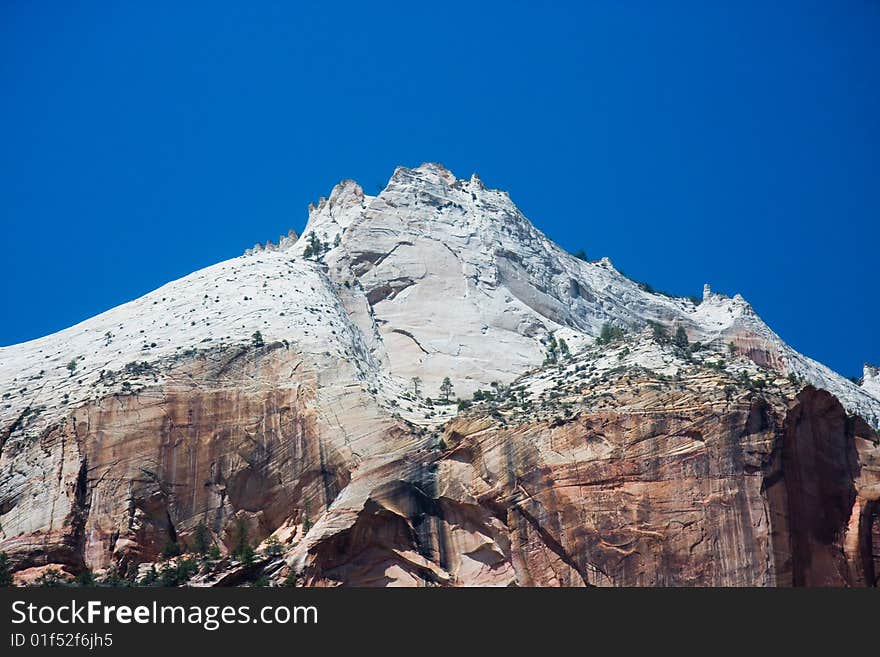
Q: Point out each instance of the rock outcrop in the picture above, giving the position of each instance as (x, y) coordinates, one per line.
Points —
(293, 399)
(871, 380)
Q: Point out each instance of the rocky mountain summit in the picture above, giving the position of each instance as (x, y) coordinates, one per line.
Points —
(422, 389)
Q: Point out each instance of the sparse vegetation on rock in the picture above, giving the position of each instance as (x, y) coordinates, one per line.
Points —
(609, 333)
(446, 389)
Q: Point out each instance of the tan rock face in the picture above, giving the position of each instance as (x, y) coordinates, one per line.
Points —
(232, 439)
(755, 492)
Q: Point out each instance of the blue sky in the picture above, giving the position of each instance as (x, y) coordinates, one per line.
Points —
(688, 141)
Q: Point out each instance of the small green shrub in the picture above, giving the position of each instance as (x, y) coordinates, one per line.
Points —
(446, 389)
(609, 333)
(175, 574)
(273, 547)
(172, 549)
(150, 577)
(201, 538)
(659, 331)
(5, 570)
(85, 578)
(51, 578)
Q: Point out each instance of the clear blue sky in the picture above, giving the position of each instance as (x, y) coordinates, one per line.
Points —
(689, 142)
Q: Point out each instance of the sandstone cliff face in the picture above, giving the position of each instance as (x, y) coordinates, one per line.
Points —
(238, 436)
(273, 396)
(750, 491)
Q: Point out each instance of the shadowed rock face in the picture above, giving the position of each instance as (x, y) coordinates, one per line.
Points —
(813, 489)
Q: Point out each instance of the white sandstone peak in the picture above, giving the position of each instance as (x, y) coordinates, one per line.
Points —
(434, 277)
